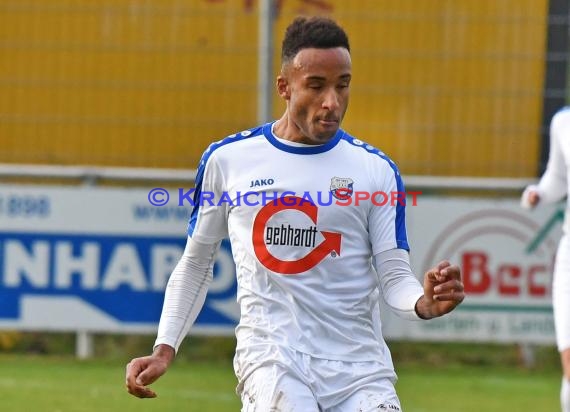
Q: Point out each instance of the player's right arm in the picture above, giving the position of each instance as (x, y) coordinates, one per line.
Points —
(188, 284)
(184, 297)
(553, 183)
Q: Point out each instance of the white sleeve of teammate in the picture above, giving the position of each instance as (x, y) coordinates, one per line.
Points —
(552, 186)
(186, 292)
(400, 288)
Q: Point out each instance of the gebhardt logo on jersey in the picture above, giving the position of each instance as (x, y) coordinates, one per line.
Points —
(287, 235)
(342, 187)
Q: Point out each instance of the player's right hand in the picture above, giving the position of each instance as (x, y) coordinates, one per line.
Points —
(141, 372)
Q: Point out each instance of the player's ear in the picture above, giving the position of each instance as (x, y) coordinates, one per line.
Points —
(283, 87)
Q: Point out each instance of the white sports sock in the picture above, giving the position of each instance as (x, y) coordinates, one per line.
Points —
(565, 395)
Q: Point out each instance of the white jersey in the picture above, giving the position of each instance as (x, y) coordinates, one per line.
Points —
(301, 245)
(553, 185)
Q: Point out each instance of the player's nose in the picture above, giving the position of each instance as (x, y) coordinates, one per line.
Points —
(331, 101)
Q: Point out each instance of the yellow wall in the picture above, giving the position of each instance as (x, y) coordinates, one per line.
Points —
(443, 87)
(121, 82)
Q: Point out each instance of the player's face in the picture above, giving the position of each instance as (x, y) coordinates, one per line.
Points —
(316, 87)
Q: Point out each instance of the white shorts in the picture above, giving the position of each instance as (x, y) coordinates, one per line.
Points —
(318, 385)
(561, 294)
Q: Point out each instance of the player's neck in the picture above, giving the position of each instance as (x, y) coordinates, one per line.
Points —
(286, 129)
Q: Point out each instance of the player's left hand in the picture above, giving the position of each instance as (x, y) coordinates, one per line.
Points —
(443, 291)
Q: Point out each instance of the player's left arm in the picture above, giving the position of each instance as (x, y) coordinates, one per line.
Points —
(442, 288)
(441, 292)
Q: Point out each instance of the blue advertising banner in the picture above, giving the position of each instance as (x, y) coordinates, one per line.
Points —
(97, 259)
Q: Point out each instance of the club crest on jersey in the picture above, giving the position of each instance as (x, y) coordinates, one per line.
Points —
(342, 187)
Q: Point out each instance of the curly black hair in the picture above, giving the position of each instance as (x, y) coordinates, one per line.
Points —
(314, 32)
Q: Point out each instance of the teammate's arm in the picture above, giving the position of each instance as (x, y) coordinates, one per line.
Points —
(553, 185)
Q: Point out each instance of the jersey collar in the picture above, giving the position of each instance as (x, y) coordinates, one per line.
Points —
(303, 150)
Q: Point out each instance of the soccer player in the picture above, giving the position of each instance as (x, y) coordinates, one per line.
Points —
(312, 262)
(553, 186)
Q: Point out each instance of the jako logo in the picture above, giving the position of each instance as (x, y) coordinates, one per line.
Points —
(261, 182)
(290, 236)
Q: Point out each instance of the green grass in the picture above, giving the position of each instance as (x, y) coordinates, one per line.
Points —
(49, 384)
(475, 389)
(432, 377)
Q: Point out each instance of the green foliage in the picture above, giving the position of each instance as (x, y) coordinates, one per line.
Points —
(482, 355)
(119, 347)
(9, 339)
